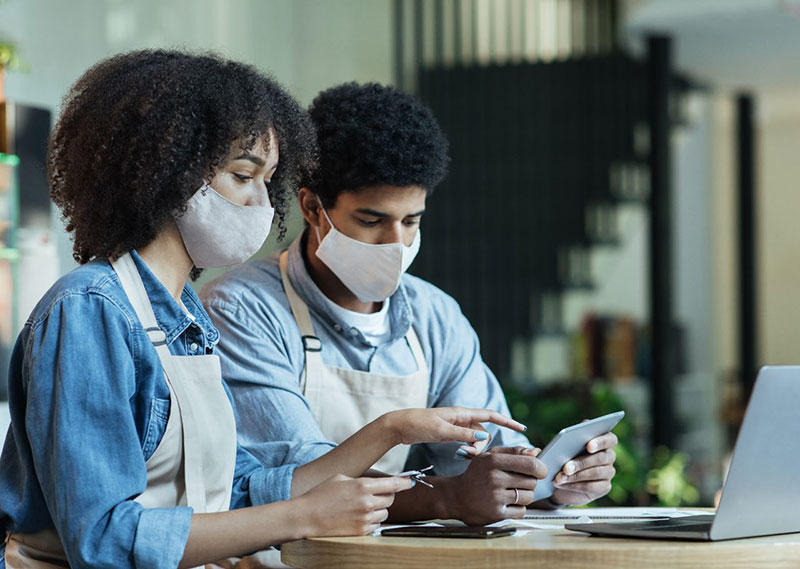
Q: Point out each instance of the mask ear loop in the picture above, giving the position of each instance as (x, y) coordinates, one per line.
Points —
(319, 202)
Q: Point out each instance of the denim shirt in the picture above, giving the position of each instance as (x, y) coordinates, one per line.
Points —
(263, 359)
(89, 404)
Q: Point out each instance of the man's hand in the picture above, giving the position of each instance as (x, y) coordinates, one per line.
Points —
(497, 485)
(587, 477)
(484, 493)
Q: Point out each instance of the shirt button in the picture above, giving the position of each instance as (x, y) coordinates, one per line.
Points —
(193, 347)
(337, 327)
(353, 331)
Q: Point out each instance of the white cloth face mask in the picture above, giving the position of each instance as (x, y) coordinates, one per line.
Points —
(371, 272)
(218, 232)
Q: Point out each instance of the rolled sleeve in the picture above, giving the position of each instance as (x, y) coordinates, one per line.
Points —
(272, 484)
(161, 537)
(254, 483)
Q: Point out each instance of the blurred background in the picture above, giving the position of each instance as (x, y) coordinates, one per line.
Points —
(619, 222)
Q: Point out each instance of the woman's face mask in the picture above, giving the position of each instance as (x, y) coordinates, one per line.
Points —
(219, 233)
(228, 219)
(371, 272)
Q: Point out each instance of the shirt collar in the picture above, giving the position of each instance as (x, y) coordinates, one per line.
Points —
(399, 307)
(170, 316)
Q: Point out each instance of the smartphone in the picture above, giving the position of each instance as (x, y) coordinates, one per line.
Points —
(569, 443)
(479, 532)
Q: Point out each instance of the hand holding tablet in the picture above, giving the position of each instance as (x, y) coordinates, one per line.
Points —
(569, 443)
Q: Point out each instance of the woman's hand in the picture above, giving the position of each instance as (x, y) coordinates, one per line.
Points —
(339, 506)
(359, 452)
(349, 506)
(446, 424)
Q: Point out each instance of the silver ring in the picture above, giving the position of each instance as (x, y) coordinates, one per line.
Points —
(516, 496)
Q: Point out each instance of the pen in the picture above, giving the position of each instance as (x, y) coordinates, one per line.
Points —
(418, 475)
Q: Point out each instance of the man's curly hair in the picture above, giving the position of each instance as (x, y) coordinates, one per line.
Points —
(373, 135)
(139, 132)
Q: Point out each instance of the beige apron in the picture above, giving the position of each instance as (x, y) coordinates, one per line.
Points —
(344, 400)
(193, 464)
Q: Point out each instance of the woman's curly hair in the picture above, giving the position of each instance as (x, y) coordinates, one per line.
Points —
(374, 135)
(139, 132)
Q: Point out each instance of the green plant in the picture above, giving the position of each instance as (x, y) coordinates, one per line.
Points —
(9, 54)
(10, 58)
(667, 479)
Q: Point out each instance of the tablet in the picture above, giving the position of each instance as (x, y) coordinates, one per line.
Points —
(569, 443)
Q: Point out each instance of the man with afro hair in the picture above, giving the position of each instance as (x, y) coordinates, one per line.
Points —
(331, 334)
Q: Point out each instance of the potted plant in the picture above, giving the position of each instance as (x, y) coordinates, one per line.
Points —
(9, 59)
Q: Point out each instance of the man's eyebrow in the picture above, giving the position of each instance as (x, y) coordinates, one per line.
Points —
(257, 160)
(375, 213)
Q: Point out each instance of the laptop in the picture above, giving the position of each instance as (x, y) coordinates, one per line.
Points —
(760, 493)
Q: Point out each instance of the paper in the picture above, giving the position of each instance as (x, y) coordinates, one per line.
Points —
(525, 526)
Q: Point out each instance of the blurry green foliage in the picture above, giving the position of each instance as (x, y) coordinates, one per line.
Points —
(9, 54)
(9, 57)
(667, 481)
(640, 480)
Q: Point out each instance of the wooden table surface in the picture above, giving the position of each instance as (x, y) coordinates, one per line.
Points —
(553, 549)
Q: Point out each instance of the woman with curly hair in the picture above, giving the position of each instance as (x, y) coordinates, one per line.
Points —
(122, 450)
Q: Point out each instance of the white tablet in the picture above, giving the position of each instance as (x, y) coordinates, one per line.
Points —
(569, 443)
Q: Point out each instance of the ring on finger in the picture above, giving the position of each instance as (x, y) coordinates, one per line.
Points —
(516, 496)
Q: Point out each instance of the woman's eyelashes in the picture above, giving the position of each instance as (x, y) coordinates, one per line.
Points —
(246, 178)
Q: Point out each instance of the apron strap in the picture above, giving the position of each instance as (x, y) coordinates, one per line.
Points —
(133, 286)
(416, 349)
(312, 346)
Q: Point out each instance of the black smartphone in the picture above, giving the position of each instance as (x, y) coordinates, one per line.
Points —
(480, 532)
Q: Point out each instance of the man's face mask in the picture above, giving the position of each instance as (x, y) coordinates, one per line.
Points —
(371, 272)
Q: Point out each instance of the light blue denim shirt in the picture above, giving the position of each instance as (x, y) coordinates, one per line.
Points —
(89, 404)
(262, 359)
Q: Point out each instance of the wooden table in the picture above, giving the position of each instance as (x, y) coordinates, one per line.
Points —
(553, 549)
